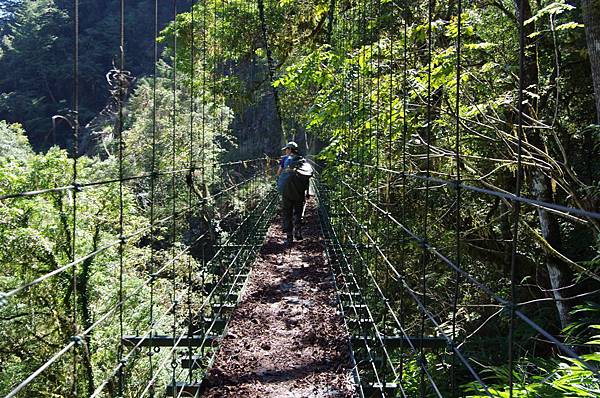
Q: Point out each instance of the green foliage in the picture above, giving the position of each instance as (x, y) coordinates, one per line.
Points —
(30, 90)
(13, 142)
(172, 122)
(36, 236)
(348, 90)
(541, 378)
(201, 125)
(36, 60)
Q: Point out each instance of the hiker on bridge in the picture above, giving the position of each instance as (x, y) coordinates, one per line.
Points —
(294, 174)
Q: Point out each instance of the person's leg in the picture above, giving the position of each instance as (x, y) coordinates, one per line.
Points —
(287, 209)
(298, 208)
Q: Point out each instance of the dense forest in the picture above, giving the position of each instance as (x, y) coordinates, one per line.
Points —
(425, 117)
(37, 59)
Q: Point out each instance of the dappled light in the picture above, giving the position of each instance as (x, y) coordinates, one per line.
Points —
(320, 198)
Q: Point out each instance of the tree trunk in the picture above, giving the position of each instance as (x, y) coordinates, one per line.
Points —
(591, 19)
(560, 274)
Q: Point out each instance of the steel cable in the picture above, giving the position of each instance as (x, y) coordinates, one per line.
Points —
(458, 222)
(504, 302)
(75, 126)
(425, 216)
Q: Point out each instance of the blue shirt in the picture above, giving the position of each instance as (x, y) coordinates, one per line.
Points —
(287, 160)
(284, 163)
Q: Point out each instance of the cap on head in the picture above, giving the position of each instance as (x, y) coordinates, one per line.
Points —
(292, 145)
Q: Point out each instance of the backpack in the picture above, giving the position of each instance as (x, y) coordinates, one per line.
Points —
(301, 167)
(293, 182)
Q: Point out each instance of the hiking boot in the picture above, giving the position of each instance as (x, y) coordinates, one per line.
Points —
(298, 235)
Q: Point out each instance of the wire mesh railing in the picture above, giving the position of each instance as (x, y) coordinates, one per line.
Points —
(141, 252)
(438, 245)
(450, 273)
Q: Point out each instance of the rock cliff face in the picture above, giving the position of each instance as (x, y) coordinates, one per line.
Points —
(255, 124)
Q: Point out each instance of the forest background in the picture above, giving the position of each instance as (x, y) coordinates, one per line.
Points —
(357, 86)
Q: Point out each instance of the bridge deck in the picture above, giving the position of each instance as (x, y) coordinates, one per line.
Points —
(286, 337)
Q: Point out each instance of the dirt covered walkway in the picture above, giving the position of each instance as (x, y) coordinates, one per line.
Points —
(286, 337)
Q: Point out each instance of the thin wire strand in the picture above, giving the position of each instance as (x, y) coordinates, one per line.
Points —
(192, 170)
(174, 204)
(551, 207)
(516, 207)
(79, 186)
(504, 302)
(75, 288)
(139, 232)
(404, 135)
(424, 253)
(121, 207)
(458, 222)
(154, 180)
(271, 67)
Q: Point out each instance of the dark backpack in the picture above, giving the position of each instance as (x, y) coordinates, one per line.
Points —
(296, 183)
(301, 167)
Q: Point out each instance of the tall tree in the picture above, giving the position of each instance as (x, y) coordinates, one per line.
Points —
(36, 59)
(591, 19)
(36, 77)
(7, 12)
(540, 183)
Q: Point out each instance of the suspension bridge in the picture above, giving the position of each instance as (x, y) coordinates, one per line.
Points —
(389, 250)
